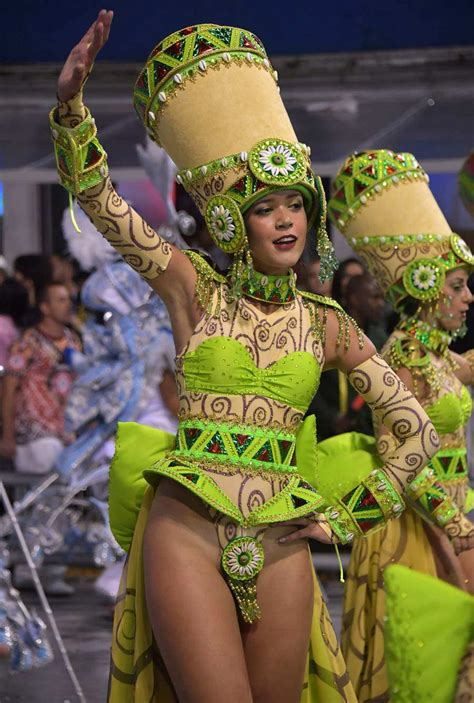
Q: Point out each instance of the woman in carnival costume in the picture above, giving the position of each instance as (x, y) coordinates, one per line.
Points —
(220, 508)
(384, 207)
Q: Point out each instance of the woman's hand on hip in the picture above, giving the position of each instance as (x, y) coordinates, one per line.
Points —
(311, 528)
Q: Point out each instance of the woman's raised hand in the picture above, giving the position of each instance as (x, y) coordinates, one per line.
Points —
(81, 59)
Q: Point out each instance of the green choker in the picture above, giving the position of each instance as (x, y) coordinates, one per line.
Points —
(269, 289)
(432, 338)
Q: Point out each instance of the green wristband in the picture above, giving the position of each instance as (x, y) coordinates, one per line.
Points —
(430, 499)
(80, 159)
(366, 508)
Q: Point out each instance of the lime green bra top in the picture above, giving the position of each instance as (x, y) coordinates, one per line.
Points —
(450, 412)
(223, 366)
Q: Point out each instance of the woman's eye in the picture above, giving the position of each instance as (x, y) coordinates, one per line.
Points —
(296, 206)
(263, 211)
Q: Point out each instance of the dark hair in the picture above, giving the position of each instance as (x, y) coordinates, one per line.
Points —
(35, 267)
(43, 292)
(13, 300)
(336, 291)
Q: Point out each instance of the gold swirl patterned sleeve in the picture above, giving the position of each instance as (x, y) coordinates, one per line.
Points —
(427, 496)
(378, 498)
(82, 168)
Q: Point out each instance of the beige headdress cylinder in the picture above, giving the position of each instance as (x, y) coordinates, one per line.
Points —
(382, 204)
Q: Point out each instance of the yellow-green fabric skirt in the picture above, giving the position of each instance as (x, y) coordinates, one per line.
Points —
(403, 541)
(138, 674)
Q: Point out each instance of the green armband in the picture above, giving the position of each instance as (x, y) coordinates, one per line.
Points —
(366, 508)
(81, 160)
(429, 498)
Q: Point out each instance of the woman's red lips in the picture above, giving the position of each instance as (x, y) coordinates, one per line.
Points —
(286, 242)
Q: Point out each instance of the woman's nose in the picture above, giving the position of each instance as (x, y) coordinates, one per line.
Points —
(284, 221)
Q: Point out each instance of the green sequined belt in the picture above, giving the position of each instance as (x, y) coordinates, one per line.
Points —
(450, 464)
(244, 445)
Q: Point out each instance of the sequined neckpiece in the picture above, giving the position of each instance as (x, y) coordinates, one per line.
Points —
(433, 338)
(269, 289)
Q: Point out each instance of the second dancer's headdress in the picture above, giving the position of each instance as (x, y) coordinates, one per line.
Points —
(383, 206)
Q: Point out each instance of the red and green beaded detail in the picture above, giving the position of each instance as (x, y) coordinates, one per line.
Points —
(366, 508)
(251, 447)
(450, 464)
(430, 499)
(270, 289)
(366, 174)
(187, 54)
(80, 158)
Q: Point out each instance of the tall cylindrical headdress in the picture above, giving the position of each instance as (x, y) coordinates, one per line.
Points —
(208, 94)
(382, 204)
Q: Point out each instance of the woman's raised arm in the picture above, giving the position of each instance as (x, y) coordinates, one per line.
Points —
(82, 166)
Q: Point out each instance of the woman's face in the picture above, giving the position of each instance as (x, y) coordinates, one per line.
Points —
(454, 303)
(276, 228)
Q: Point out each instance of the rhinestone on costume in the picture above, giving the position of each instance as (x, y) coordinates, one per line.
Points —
(162, 96)
(226, 56)
(202, 65)
(178, 78)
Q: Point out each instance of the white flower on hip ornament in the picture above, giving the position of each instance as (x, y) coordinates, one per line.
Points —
(278, 160)
(424, 277)
(222, 223)
(243, 558)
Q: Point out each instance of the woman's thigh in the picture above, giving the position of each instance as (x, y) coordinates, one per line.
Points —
(191, 609)
(276, 647)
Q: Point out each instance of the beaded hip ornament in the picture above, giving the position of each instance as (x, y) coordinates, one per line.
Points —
(242, 560)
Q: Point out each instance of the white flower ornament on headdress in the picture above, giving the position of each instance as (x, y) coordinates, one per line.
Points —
(278, 160)
(424, 278)
(222, 223)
